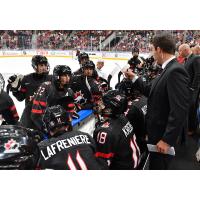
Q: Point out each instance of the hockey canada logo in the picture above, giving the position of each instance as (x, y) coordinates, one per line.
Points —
(11, 146)
(79, 97)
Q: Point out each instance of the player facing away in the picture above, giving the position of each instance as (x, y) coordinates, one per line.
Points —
(8, 111)
(66, 149)
(115, 137)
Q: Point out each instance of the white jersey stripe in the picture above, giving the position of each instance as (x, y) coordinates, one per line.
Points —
(80, 161)
(70, 163)
(135, 158)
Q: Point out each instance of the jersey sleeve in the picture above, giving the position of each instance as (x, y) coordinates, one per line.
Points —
(9, 111)
(40, 104)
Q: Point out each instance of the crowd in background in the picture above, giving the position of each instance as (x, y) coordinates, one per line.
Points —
(139, 39)
(16, 39)
(88, 39)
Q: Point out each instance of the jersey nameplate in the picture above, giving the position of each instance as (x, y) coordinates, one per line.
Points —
(64, 144)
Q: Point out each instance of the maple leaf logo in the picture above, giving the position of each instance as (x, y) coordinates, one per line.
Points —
(11, 145)
(79, 97)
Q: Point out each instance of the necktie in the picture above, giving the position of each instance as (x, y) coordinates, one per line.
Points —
(185, 60)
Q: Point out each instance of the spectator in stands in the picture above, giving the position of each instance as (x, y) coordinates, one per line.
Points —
(88, 39)
(197, 50)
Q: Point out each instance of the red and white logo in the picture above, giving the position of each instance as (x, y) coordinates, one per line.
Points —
(11, 146)
(79, 97)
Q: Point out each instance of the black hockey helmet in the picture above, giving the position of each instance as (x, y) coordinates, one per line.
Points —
(154, 68)
(149, 61)
(55, 117)
(60, 70)
(126, 87)
(88, 64)
(82, 56)
(18, 148)
(2, 83)
(39, 59)
(115, 101)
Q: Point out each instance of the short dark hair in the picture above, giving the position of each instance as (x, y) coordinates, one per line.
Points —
(165, 41)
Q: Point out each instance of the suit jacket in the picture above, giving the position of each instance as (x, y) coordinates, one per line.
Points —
(168, 103)
(192, 66)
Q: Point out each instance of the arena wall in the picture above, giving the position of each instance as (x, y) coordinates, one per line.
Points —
(68, 54)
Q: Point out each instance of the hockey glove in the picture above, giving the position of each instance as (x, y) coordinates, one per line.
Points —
(15, 82)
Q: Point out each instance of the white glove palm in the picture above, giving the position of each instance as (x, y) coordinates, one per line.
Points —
(15, 81)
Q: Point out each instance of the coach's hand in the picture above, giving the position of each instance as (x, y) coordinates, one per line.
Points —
(162, 147)
(129, 74)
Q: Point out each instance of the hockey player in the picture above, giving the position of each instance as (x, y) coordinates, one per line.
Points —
(8, 111)
(25, 88)
(84, 86)
(136, 111)
(65, 148)
(136, 62)
(57, 92)
(82, 58)
(115, 138)
(18, 148)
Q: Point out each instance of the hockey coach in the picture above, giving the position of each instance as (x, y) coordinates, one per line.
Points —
(168, 101)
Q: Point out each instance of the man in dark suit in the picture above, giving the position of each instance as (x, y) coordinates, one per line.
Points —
(192, 65)
(168, 101)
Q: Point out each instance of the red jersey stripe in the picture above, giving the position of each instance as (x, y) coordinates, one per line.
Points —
(12, 108)
(37, 111)
(42, 103)
(104, 155)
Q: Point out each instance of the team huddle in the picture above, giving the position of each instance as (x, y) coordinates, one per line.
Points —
(44, 138)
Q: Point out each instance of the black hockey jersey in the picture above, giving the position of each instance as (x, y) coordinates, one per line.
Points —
(72, 150)
(29, 86)
(116, 143)
(8, 109)
(49, 94)
(136, 113)
(84, 88)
